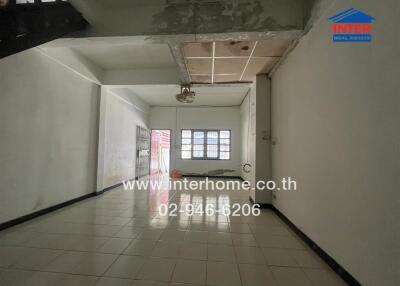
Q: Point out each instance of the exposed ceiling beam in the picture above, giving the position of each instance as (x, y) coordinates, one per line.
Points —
(121, 78)
(180, 75)
(128, 18)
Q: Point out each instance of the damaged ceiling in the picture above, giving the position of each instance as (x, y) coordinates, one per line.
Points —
(231, 61)
(213, 41)
(171, 42)
(167, 17)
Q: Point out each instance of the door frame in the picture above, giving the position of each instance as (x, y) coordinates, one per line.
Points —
(170, 146)
(140, 127)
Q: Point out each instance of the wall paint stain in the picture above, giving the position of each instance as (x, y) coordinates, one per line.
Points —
(216, 17)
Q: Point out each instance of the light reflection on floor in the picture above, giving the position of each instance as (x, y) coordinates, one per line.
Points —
(120, 238)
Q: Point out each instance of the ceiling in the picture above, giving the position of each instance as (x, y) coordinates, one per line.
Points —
(111, 57)
(220, 71)
(231, 61)
(129, 3)
(116, 4)
(164, 95)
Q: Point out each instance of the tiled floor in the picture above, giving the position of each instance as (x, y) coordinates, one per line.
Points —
(119, 238)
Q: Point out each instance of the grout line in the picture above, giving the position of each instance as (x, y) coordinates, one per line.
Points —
(230, 57)
(217, 57)
(248, 61)
(216, 74)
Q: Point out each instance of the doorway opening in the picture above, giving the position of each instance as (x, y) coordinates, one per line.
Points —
(142, 152)
(160, 152)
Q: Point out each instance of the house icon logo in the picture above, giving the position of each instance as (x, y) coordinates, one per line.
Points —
(352, 26)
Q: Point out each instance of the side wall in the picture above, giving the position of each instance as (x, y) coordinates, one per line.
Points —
(255, 137)
(336, 115)
(248, 137)
(121, 113)
(177, 118)
(48, 127)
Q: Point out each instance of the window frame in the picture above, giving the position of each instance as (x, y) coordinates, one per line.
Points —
(205, 158)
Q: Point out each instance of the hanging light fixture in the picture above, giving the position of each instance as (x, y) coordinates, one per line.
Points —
(186, 95)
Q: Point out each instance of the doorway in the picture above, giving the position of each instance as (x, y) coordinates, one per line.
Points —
(160, 152)
(142, 152)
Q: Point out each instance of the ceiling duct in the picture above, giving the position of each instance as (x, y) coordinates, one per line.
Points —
(186, 95)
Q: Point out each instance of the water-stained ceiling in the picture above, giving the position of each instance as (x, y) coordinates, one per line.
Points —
(231, 61)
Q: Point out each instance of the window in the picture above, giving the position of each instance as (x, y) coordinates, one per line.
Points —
(206, 144)
(25, 1)
(35, 2)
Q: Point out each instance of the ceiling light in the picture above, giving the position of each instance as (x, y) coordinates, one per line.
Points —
(186, 96)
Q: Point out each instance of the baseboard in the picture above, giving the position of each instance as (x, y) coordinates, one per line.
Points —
(42, 212)
(262, 206)
(330, 261)
(214, 177)
(113, 187)
(333, 264)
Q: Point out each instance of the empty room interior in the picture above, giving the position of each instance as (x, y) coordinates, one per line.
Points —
(188, 142)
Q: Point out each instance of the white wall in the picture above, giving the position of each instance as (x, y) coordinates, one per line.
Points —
(336, 115)
(255, 133)
(48, 127)
(177, 118)
(121, 112)
(263, 170)
(248, 139)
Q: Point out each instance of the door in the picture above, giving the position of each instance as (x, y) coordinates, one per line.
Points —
(160, 152)
(142, 152)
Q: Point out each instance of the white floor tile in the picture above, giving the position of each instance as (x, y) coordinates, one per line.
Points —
(78, 280)
(193, 251)
(279, 257)
(190, 271)
(81, 263)
(246, 254)
(197, 236)
(279, 241)
(324, 277)
(239, 228)
(148, 283)
(36, 259)
(150, 234)
(140, 247)
(95, 264)
(129, 232)
(167, 249)
(220, 252)
(126, 267)
(158, 269)
(243, 239)
(223, 274)
(288, 276)
(115, 245)
(220, 238)
(107, 281)
(305, 258)
(173, 235)
(82, 245)
(255, 275)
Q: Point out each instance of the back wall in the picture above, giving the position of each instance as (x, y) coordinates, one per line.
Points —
(177, 118)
